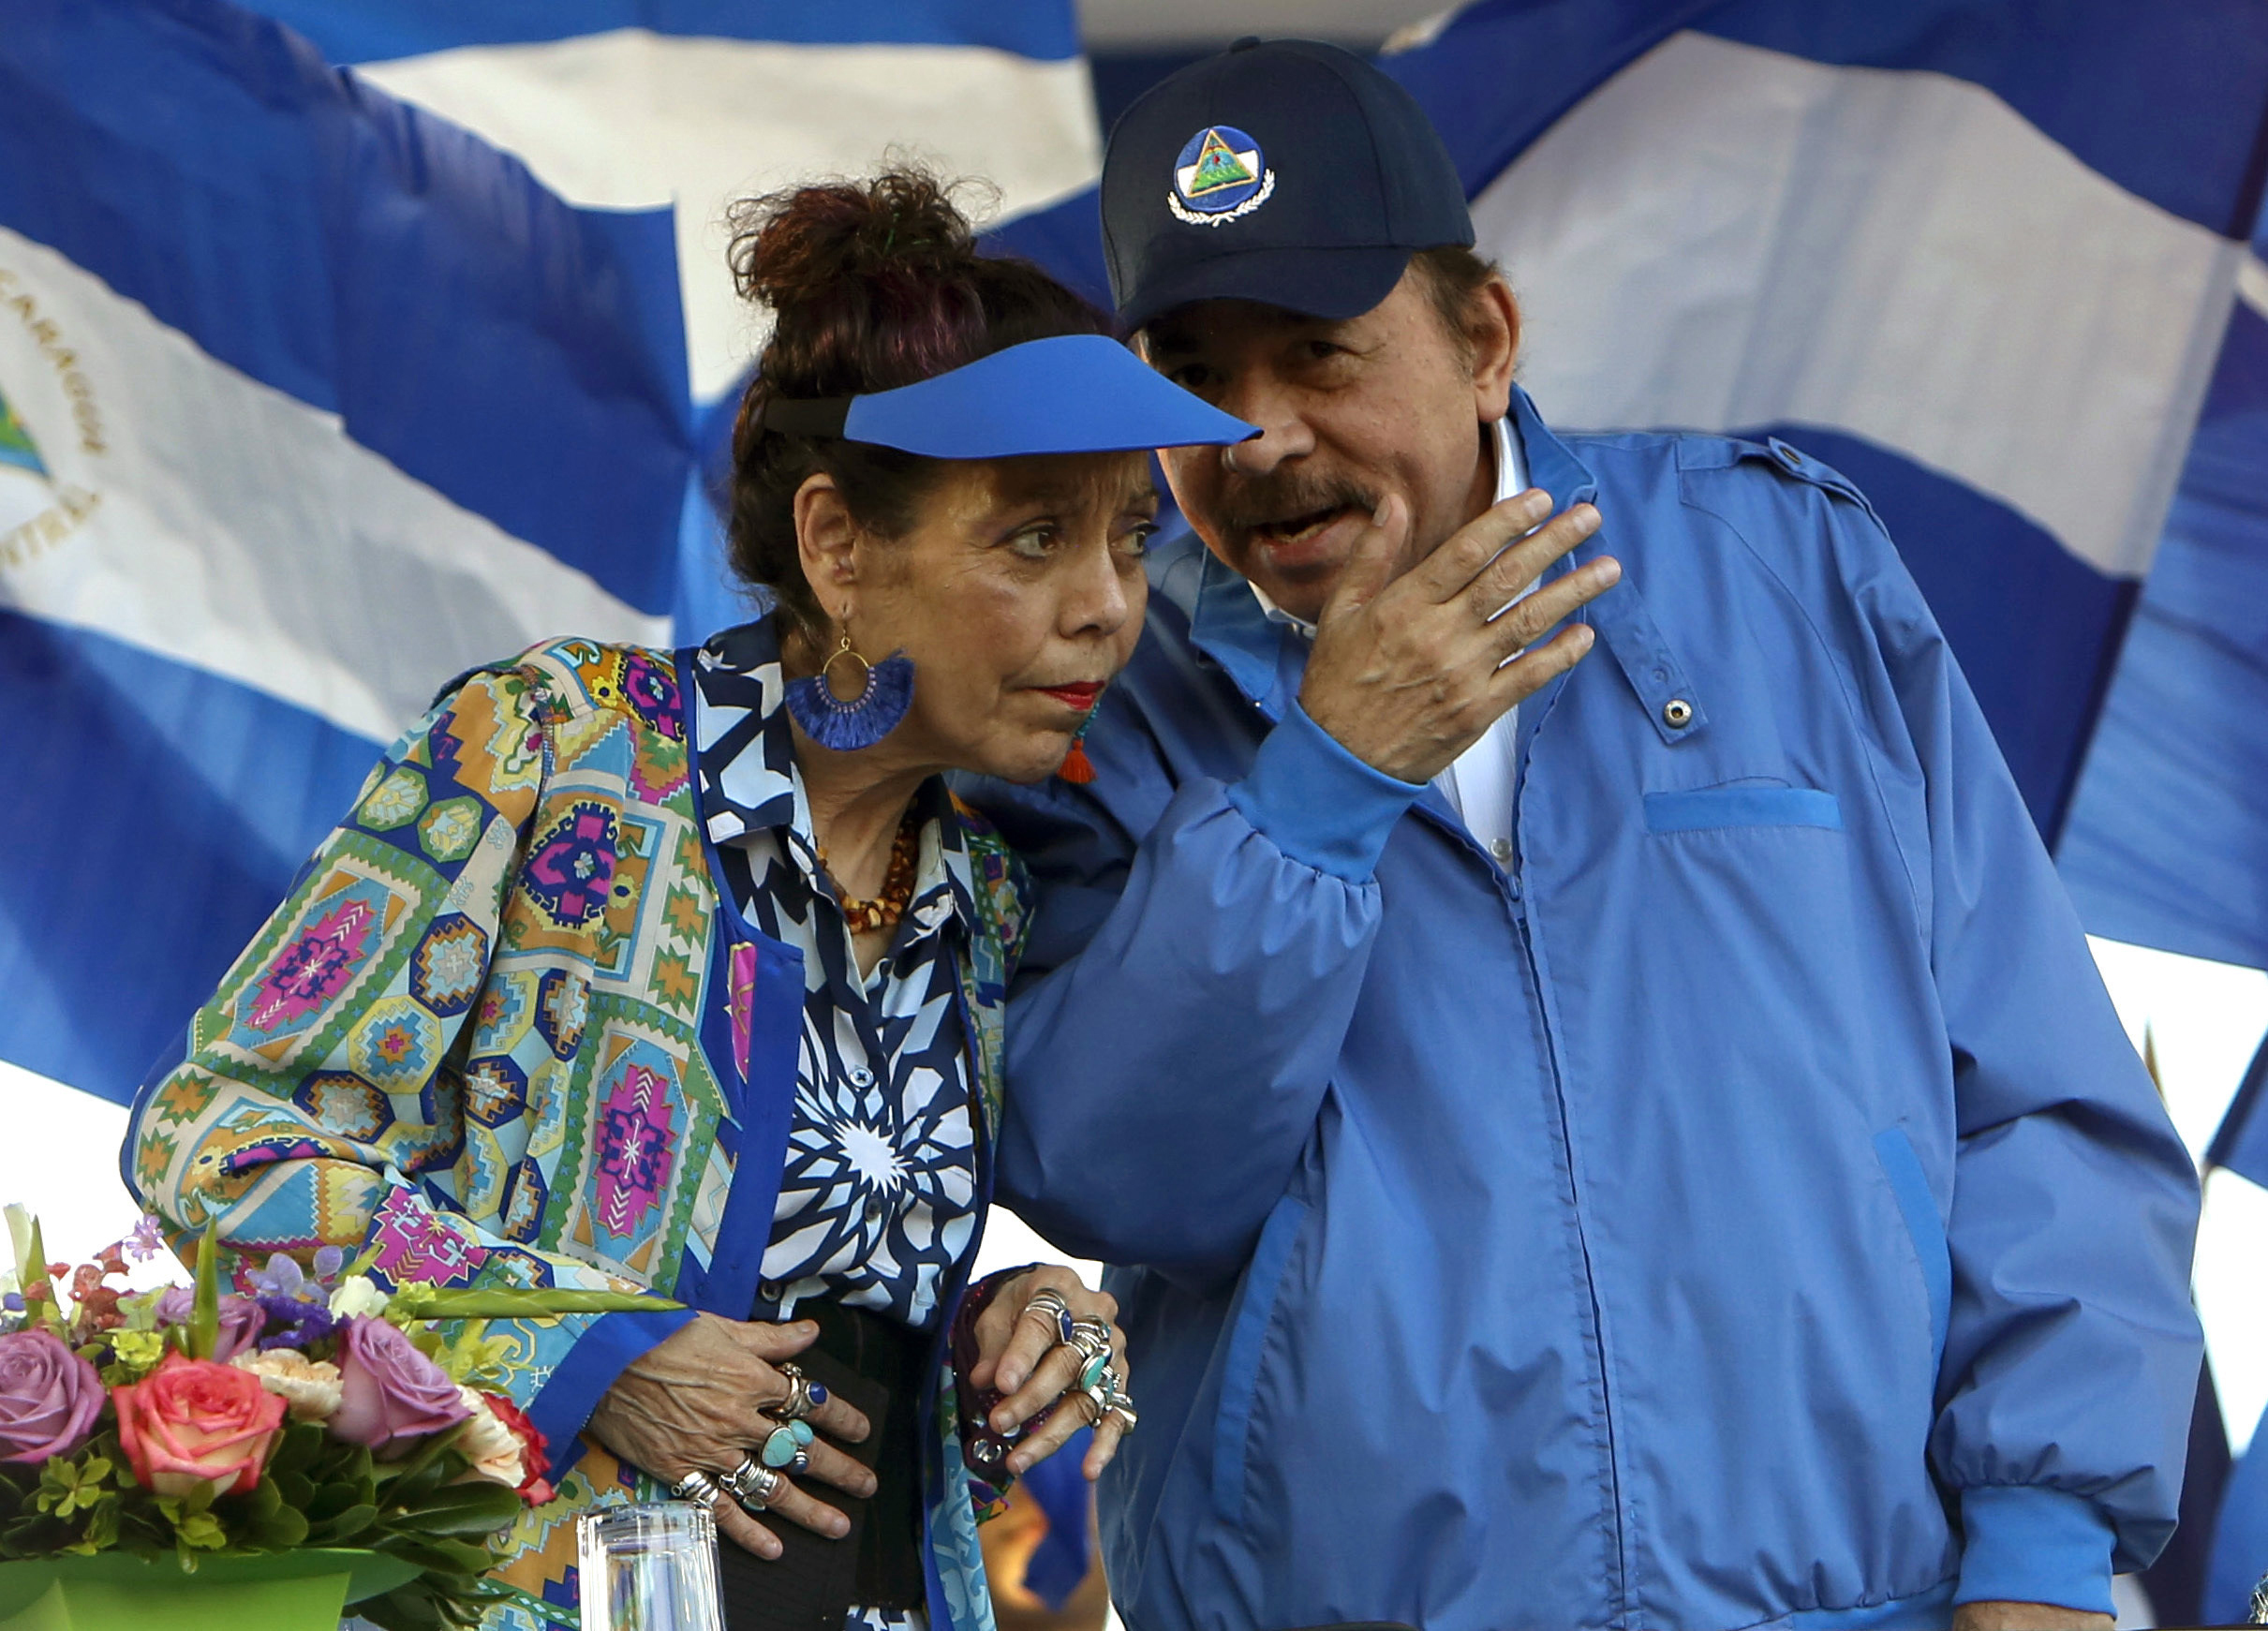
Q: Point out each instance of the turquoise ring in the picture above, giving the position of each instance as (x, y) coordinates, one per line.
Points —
(787, 1447)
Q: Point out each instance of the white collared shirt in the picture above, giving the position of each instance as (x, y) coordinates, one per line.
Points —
(1479, 785)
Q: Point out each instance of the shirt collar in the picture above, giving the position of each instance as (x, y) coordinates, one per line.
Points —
(744, 755)
(1511, 479)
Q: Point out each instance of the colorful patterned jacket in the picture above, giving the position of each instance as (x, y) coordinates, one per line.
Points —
(453, 1040)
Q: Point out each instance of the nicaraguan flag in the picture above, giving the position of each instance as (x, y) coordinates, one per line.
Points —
(1963, 252)
(320, 386)
(2167, 844)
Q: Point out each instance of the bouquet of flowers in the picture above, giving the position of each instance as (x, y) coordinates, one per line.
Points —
(321, 1412)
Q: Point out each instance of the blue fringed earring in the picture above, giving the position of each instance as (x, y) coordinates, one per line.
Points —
(866, 719)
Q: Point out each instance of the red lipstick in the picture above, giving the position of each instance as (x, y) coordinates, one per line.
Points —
(1081, 696)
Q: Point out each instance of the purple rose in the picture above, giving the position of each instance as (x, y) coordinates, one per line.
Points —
(48, 1398)
(242, 1320)
(389, 1394)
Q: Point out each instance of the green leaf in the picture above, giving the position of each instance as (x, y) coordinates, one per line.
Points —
(53, 1318)
(102, 1529)
(475, 1509)
(533, 1302)
(346, 1525)
(283, 1529)
(204, 1317)
(297, 1449)
(262, 1499)
(296, 1489)
(202, 1531)
(408, 1607)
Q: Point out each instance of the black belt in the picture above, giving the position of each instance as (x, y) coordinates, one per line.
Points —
(880, 1367)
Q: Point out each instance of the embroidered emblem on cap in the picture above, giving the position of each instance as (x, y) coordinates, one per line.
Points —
(1219, 178)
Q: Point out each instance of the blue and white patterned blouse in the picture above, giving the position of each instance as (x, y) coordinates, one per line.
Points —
(878, 1201)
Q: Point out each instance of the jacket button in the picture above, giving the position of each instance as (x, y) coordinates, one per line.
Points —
(1502, 849)
(1677, 713)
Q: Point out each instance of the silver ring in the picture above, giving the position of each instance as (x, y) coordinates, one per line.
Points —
(697, 1486)
(1107, 1396)
(753, 1486)
(1048, 1307)
(1090, 1336)
(804, 1395)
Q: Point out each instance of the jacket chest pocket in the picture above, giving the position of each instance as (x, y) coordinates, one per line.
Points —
(1743, 804)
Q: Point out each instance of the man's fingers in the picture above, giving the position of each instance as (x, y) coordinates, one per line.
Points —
(1525, 624)
(736, 1526)
(1450, 569)
(1523, 563)
(1370, 568)
(1533, 670)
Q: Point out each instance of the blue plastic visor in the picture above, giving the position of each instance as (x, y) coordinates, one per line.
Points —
(1073, 394)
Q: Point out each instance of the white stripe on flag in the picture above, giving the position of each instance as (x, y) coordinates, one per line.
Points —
(2252, 284)
(212, 519)
(1722, 236)
(631, 120)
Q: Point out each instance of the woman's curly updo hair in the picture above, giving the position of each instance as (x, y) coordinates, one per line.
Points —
(872, 284)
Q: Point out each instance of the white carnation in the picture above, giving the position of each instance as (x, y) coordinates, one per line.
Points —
(493, 1448)
(309, 1388)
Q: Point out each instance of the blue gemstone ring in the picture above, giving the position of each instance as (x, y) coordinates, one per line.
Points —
(804, 1395)
(1047, 1306)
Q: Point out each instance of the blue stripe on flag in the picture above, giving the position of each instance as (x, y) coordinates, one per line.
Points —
(2035, 628)
(2096, 76)
(1066, 238)
(2091, 74)
(155, 815)
(367, 258)
(355, 31)
(2165, 845)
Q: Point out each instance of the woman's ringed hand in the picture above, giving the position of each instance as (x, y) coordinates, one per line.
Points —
(1019, 1352)
(693, 1404)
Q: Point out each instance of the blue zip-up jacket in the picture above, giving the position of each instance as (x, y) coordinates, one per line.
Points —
(1745, 1210)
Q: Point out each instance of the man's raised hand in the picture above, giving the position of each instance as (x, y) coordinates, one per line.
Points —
(1407, 673)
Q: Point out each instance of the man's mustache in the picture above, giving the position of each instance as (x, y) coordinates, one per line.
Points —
(1249, 503)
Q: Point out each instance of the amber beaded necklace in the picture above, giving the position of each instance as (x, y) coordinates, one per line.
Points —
(880, 911)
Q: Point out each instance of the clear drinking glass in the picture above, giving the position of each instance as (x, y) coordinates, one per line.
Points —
(650, 1567)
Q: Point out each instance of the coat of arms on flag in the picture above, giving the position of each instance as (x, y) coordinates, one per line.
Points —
(16, 447)
(24, 490)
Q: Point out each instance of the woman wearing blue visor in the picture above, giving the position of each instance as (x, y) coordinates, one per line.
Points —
(685, 970)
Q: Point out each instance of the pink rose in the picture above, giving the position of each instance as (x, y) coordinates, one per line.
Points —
(389, 1394)
(48, 1398)
(195, 1421)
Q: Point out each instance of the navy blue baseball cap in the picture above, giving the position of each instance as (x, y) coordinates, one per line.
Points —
(1286, 172)
(1070, 393)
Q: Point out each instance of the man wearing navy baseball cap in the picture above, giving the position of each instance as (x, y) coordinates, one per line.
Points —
(1604, 1137)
